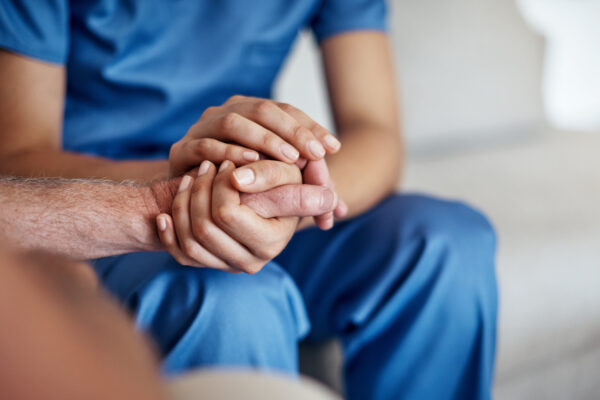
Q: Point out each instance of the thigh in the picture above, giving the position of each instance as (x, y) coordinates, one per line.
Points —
(347, 273)
(204, 317)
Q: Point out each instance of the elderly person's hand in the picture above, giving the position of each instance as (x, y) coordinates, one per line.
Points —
(247, 180)
(64, 339)
(213, 225)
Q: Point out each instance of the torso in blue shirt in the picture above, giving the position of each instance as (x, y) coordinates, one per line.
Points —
(141, 72)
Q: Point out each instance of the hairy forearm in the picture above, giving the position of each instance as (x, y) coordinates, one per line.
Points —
(368, 167)
(45, 162)
(81, 219)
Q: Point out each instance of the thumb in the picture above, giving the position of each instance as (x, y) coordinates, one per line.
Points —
(291, 201)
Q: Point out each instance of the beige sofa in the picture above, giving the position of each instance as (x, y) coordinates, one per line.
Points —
(470, 74)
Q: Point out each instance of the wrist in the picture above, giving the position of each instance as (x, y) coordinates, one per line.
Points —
(157, 198)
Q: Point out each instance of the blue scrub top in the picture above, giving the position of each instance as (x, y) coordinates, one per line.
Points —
(141, 72)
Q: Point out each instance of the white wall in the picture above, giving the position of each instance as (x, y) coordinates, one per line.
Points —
(572, 63)
(469, 71)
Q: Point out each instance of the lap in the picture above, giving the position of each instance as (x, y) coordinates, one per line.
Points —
(342, 274)
(202, 310)
(346, 272)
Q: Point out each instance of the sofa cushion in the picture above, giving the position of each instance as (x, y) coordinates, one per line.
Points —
(543, 197)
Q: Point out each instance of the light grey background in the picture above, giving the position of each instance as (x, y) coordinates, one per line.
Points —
(470, 74)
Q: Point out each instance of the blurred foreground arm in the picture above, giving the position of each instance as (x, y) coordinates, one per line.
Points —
(61, 339)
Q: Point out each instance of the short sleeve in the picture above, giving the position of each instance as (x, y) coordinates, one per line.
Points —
(338, 16)
(36, 28)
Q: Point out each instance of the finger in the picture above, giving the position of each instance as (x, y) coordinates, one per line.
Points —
(166, 233)
(259, 235)
(341, 210)
(317, 173)
(183, 229)
(327, 139)
(267, 114)
(291, 200)
(301, 163)
(193, 152)
(322, 221)
(264, 175)
(236, 128)
(325, 221)
(205, 229)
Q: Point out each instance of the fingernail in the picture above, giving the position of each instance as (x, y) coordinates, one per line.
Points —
(162, 223)
(316, 149)
(289, 151)
(327, 197)
(185, 183)
(332, 142)
(224, 165)
(244, 176)
(203, 167)
(250, 156)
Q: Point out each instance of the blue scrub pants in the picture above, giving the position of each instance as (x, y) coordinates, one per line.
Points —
(408, 287)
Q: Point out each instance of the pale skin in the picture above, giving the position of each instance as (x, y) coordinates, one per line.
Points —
(364, 104)
(66, 339)
(41, 219)
(85, 219)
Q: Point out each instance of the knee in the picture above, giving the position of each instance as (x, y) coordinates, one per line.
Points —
(265, 300)
(206, 317)
(457, 246)
(451, 227)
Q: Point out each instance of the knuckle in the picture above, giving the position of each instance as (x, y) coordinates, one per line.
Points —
(252, 267)
(225, 215)
(298, 132)
(267, 252)
(201, 230)
(297, 198)
(319, 131)
(262, 108)
(175, 148)
(288, 108)
(203, 146)
(235, 98)
(270, 140)
(231, 153)
(188, 248)
(179, 259)
(209, 111)
(308, 202)
(229, 122)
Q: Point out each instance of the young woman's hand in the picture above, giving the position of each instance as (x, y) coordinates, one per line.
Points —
(243, 127)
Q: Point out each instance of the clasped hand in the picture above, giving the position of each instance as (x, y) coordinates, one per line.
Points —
(237, 220)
